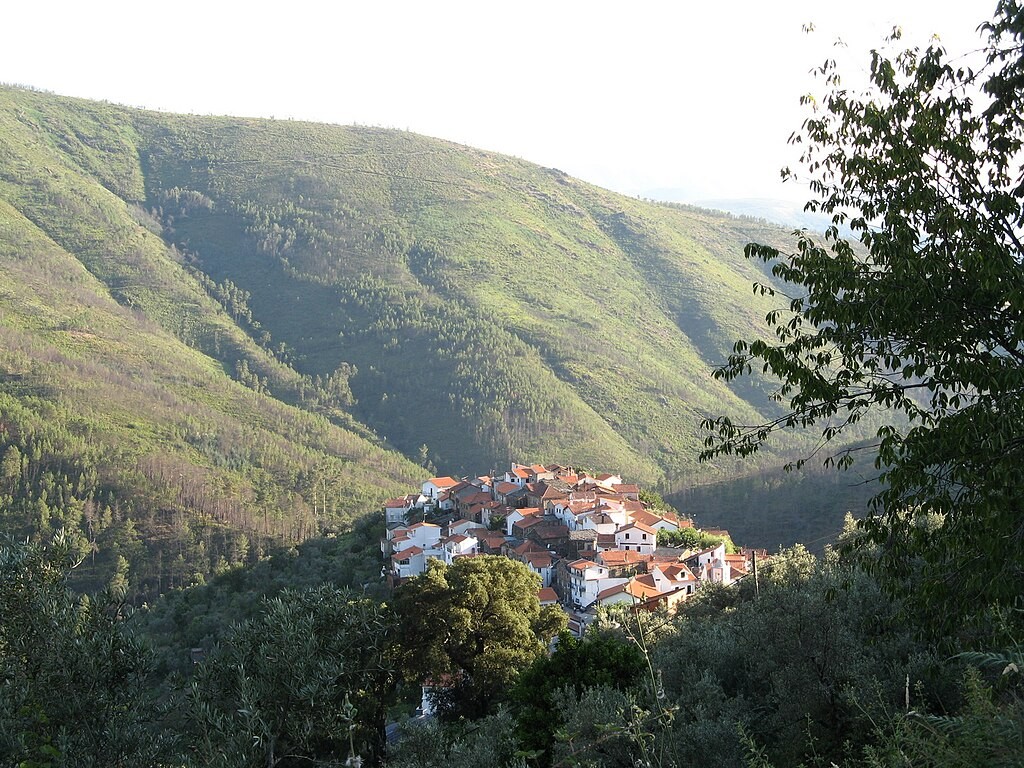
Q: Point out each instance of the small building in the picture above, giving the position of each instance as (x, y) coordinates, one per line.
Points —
(587, 579)
(638, 538)
(433, 487)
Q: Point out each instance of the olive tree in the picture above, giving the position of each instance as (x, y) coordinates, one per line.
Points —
(76, 684)
(306, 682)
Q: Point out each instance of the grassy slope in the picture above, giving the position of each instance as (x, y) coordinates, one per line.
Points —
(99, 390)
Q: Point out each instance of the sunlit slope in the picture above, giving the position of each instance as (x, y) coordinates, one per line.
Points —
(119, 418)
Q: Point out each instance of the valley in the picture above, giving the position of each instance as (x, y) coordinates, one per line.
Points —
(224, 335)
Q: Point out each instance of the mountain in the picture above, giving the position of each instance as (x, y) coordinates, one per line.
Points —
(479, 305)
(114, 422)
(219, 331)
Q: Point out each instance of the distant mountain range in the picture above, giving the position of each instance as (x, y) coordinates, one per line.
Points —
(221, 332)
(785, 213)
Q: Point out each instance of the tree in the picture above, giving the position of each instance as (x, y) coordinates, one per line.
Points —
(923, 319)
(598, 659)
(75, 683)
(805, 665)
(472, 627)
(307, 682)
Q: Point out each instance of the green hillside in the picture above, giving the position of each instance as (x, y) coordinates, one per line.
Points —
(214, 327)
(479, 305)
(113, 421)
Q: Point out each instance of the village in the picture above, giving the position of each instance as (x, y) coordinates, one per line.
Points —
(590, 539)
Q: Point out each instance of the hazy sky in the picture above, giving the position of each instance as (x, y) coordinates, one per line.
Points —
(632, 95)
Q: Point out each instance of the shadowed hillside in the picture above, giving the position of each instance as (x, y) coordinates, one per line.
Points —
(479, 305)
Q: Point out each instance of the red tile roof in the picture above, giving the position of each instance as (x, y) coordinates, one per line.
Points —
(643, 587)
(538, 559)
(547, 596)
(528, 546)
(678, 572)
(646, 517)
(614, 557)
(407, 553)
(611, 591)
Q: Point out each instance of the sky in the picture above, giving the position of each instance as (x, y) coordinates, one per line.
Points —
(682, 100)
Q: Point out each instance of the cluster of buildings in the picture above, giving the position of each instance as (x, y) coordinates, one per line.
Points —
(589, 538)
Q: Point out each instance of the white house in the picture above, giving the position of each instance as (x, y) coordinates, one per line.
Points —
(570, 511)
(425, 535)
(599, 521)
(680, 577)
(413, 546)
(664, 585)
(655, 521)
(409, 562)
(446, 500)
(460, 526)
(542, 564)
(586, 580)
(516, 515)
(637, 537)
(396, 510)
(458, 545)
(519, 475)
(713, 566)
(432, 488)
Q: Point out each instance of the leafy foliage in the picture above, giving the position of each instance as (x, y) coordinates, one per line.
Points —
(693, 538)
(306, 682)
(598, 659)
(471, 628)
(200, 616)
(75, 685)
(924, 320)
(430, 743)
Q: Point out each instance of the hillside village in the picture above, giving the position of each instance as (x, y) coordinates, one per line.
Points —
(590, 538)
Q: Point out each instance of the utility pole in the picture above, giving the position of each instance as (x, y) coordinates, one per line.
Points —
(757, 584)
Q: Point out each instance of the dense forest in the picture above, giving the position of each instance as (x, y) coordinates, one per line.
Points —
(815, 663)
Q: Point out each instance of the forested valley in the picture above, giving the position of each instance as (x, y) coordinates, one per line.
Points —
(225, 342)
